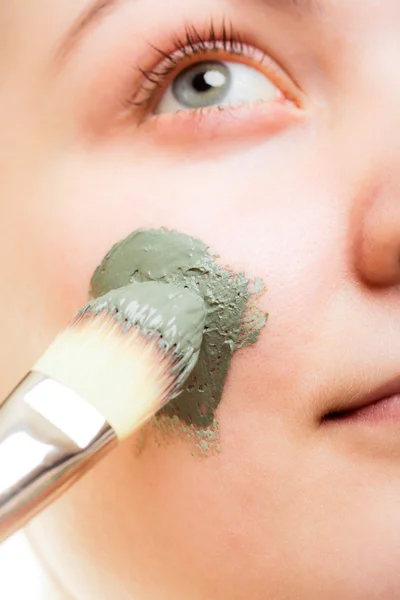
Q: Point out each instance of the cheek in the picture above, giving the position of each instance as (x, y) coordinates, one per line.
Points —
(280, 222)
(267, 229)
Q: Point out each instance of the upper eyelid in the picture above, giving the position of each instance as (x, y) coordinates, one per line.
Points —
(99, 9)
(205, 47)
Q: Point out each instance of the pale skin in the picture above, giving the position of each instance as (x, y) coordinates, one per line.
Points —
(303, 193)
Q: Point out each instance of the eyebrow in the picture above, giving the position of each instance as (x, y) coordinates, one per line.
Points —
(88, 18)
(99, 9)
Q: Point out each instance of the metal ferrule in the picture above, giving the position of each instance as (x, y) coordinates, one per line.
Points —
(49, 437)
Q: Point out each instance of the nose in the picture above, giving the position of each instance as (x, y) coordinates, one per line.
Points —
(377, 241)
(370, 161)
(372, 158)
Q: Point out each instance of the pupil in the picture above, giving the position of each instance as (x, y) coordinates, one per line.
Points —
(200, 84)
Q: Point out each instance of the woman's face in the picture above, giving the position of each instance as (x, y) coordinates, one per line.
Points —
(295, 178)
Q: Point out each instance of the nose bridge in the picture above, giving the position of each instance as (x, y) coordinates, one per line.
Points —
(366, 127)
(370, 103)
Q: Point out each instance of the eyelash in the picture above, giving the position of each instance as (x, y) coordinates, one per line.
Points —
(222, 39)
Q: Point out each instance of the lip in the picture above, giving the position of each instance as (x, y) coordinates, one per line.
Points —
(382, 404)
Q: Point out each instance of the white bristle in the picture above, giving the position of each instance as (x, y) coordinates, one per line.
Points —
(124, 375)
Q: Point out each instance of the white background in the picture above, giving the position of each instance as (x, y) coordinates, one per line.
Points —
(21, 575)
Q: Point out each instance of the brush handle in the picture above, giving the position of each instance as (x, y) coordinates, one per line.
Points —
(49, 437)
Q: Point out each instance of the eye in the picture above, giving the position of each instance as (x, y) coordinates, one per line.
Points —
(216, 83)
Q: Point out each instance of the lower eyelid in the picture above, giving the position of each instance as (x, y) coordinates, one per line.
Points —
(208, 127)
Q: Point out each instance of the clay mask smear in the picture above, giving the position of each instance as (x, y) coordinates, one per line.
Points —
(172, 258)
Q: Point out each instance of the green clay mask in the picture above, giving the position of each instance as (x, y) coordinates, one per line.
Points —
(231, 322)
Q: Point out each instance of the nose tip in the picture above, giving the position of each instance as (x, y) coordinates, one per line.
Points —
(378, 252)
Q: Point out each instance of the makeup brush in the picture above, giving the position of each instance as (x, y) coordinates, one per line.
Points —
(118, 363)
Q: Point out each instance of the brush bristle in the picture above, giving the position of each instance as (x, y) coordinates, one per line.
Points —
(126, 375)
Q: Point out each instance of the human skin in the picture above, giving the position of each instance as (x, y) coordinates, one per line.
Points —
(304, 195)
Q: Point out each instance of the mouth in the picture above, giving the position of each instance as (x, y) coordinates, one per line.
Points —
(381, 406)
